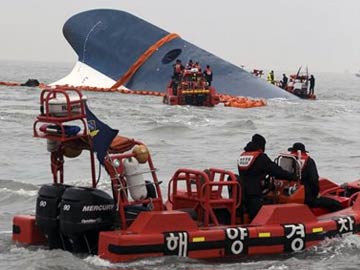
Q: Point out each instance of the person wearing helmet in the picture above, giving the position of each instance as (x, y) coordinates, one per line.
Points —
(254, 165)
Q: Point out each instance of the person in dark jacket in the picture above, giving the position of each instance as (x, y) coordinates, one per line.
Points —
(310, 180)
(312, 85)
(178, 69)
(208, 75)
(254, 165)
(284, 81)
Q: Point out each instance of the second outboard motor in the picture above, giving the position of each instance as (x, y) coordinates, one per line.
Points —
(84, 212)
(48, 211)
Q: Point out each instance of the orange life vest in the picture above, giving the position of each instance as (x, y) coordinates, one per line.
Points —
(303, 158)
(247, 159)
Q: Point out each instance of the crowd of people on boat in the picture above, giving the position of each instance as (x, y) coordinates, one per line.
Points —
(192, 73)
(304, 83)
(254, 165)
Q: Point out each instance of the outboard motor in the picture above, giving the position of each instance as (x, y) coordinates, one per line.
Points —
(48, 211)
(84, 212)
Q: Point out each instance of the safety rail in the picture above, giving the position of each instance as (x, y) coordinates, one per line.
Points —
(190, 177)
(74, 104)
(337, 190)
(114, 164)
(204, 193)
(353, 198)
(58, 106)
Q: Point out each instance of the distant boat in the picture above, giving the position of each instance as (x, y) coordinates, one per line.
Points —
(299, 84)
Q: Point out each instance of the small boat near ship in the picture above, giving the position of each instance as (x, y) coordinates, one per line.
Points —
(191, 89)
(202, 216)
(299, 85)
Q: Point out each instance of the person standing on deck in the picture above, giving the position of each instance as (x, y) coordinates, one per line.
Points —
(271, 77)
(312, 84)
(208, 73)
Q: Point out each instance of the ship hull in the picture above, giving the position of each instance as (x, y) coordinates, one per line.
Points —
(111, 41)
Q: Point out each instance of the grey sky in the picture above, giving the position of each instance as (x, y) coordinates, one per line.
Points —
(278, 34)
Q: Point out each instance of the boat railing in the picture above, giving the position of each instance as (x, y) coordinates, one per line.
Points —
(204, 192)
(114, 164)
(62, 121)
(57, 107)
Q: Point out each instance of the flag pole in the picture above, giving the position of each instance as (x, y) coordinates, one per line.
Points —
(92, 158)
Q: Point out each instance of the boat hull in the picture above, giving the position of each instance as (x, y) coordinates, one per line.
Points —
(298, 230)
(159, 233)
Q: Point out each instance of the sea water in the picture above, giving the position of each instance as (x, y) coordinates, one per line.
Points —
(185, 136)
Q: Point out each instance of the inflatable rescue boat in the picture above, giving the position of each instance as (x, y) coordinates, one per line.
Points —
(202, 216)
(191, 89)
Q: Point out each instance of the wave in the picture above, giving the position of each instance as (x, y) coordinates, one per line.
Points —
(170, 128)
(16, 186)
(234, 124)
(330, 254)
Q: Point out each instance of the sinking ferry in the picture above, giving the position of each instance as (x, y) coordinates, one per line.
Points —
(117, 49)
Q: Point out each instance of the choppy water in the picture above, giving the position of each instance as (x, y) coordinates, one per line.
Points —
(177, 137)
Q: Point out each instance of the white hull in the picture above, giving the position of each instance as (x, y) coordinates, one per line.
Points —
(84, 75)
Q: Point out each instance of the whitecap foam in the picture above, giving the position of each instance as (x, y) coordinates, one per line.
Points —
(96, 260)
(21, 192)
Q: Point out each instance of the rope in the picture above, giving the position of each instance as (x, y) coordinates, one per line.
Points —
(142, 59)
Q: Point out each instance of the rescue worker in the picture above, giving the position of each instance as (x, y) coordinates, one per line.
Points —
(310, 180)
(197, 66)
(284, 81)
(312, 85)
(190, 65)
(178, 70)
(208, 75)
(174, 84)
(271, 77)
(254, 165)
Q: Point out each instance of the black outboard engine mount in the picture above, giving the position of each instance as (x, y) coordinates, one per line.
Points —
(48, 211)
(84, 212)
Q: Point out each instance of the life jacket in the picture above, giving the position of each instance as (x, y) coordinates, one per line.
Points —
(303, 159)
(247, 159)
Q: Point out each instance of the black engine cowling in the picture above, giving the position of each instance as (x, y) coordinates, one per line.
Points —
(84, 212)
(48, 211)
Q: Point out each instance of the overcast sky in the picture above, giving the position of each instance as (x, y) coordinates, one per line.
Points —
(276, 34)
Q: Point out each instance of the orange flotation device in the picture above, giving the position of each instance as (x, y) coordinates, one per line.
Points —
(241, 102)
